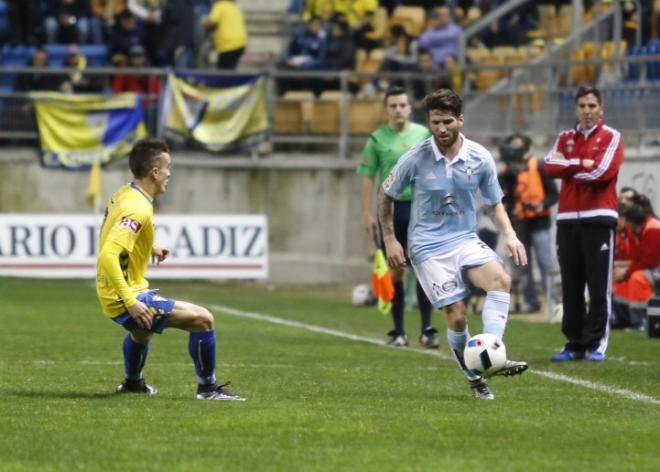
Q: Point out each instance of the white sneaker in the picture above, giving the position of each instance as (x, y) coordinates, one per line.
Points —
(511, 368)
(397, 340)
(216, 392)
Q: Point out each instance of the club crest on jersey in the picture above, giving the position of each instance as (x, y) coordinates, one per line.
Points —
(570, 145)
(130, 224)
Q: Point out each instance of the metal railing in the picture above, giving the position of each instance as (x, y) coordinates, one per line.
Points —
(535, 98)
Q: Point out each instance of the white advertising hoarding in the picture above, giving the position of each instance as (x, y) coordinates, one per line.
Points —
(202, 246)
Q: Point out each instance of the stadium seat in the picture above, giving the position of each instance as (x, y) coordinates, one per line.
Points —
(411, 18)
(486, 77)
(327, 113)
(293, 113)
(364, 116)
(96, 54)
(56, 53)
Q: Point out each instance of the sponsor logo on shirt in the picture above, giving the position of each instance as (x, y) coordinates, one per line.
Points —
(130, 224)
(389, 181)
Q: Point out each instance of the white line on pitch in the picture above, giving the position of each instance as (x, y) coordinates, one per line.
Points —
(629, 394)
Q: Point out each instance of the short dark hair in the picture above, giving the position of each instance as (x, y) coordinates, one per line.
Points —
(639, 209)
(588, 90)
(394, 91)
(144, 155)
(444, 100)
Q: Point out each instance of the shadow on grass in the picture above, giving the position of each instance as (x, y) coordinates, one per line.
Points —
(45, 394)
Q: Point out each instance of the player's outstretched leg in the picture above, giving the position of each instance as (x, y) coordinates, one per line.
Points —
(136, 348)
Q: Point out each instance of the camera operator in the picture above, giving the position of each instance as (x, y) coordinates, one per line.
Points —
(528, 195)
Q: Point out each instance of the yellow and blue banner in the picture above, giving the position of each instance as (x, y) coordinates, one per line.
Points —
(78, 130)
(216, 113)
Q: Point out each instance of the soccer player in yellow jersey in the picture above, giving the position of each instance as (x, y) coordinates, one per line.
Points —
(126, 246)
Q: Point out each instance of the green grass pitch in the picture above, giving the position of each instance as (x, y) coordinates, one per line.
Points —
(316, 400)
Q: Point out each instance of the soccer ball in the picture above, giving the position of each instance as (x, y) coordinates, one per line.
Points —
(362, 295)
(484, 353)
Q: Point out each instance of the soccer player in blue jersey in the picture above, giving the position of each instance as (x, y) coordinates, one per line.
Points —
(446, 172)
(126, 246)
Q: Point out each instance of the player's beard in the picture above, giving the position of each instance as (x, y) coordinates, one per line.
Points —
(448, 140)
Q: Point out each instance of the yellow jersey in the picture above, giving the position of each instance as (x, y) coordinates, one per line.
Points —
(125, 247)
(230, 32)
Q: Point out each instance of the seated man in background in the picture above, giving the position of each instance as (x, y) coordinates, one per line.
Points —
(642, 274)
(625, 243)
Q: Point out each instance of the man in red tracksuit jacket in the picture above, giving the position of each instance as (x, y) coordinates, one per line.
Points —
(587, 159)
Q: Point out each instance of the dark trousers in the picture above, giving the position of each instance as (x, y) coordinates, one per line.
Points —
(228, 60)
(585, 259)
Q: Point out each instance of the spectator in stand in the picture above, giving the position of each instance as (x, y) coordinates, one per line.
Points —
(227, 23)
(147, 85)
(340, 53)
(174, 43)
(149, 13)
(103, 18)
(643, 274)
(365, 32)
(67, 21)
(306, 51)
(401, 52)
(24, 20)
(322, 9)
(124, 34)
(77, 81)
(441, 38)
(512, 28)
(38, 80)
(356, 12)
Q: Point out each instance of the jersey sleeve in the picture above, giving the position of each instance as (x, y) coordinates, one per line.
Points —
(489, 185)
(401, 175)
(127, 228)
(216, 13)
(369, 163)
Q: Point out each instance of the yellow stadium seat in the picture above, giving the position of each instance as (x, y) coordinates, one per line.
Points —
(411, 18)
(293, 113)
(364, 116)
(327, 113)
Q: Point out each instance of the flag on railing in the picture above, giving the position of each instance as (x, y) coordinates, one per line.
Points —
(382, 283)
(95, 187)
(78, 130)
(215, 112)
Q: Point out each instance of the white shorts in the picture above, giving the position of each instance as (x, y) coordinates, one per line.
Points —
(441, 276)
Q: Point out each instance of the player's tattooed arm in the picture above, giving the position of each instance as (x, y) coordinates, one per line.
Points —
(395, 257)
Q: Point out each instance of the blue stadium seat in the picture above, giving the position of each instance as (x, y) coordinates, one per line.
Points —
(96, 54)
(56, 53)
(16, 56)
